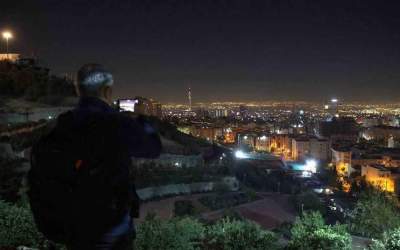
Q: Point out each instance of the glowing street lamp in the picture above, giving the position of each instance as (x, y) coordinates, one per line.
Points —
(311, 166)
(240, 154)
(7, 35)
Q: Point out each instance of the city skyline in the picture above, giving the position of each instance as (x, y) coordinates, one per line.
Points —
(226, 51)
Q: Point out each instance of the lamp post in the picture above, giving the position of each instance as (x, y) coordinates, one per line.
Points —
(7, 35)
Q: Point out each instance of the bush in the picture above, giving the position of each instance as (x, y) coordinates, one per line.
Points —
(230, 234)
(184, 208)
(10, 179)
(32, 82)
(389, 241)
(310, 232)
(284, 230)
(221, 187)
(374, 213)
(231, 214)
(187, 234)
(219, 201)
(309, 201)
(329, 238)
(17, 227)
(174, 234)
(252, 195)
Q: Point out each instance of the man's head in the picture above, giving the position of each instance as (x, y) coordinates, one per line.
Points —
(94, 81)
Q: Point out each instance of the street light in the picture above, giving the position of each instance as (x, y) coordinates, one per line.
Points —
(240, 154)
(311, 165)
(7, 35)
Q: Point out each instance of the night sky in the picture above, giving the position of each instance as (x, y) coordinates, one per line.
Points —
(237, 50)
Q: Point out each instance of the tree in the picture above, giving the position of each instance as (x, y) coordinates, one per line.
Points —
(308, 201)
(330, 238)
(359, 184)
(229, 234)
(310, 232)
(374, 213)
(179, 234)
(17, 227)
(184, 208)
(10, 179)
(389, 241)
(33, 83)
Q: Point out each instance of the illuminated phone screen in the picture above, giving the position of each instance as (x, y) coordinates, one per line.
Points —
(127, 105)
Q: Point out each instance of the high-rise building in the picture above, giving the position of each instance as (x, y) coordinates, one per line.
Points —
(341, 159)
(338, 129)
(190, 98)
(308, 146)
(220, 113)
(262, 143)
(9, 57)
(243, 111)
(156, 109)
(384, 178)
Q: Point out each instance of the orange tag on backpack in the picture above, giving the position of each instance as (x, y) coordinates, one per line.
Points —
(78, 164)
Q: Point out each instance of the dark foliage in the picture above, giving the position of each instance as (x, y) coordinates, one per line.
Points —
(219, 201)
(184, 208)
(10, 179)
(34, 83)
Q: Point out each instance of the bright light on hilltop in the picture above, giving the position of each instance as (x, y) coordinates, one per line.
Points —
(311, 165)
(240, 154)
(7, 35)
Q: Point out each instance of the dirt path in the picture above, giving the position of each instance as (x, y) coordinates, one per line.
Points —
(165, 208)
(269, 212)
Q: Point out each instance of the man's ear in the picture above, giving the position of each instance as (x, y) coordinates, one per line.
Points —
(77, 91)
(107, 93)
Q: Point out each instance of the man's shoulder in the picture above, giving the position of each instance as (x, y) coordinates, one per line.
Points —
(119, 119)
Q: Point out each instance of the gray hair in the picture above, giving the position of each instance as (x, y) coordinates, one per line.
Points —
(92, 77)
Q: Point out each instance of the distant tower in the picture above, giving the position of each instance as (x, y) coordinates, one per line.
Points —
(190, 99)
(332, 108)
(391, 142)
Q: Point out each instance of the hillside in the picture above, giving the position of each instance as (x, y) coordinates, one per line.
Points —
(27, 80)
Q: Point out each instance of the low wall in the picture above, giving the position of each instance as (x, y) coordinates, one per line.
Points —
(174, 189)
(33, 115)
(179, 189)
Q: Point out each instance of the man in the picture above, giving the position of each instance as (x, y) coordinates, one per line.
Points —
(98, 201)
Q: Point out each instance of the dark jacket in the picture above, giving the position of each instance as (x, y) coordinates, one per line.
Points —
(120, 138)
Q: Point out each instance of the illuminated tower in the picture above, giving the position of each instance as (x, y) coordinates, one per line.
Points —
(190, 99)
(332, 108)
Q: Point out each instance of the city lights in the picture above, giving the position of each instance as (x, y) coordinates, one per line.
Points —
(279, 114)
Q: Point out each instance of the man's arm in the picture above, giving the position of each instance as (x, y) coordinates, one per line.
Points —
(141, 139)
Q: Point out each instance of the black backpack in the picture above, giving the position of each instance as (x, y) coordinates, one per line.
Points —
(72, 188)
